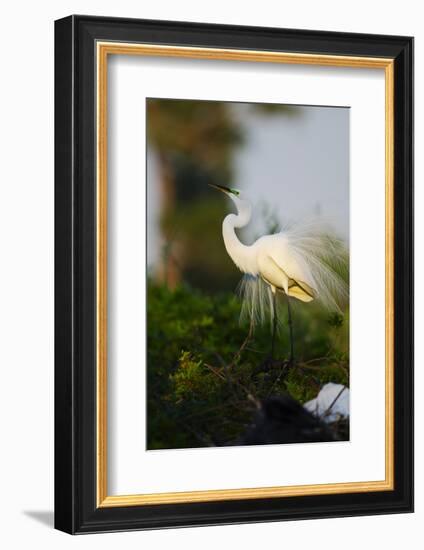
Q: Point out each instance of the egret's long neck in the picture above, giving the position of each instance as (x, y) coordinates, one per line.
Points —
(242, 255)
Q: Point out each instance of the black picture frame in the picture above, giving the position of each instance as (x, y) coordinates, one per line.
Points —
(76, 508)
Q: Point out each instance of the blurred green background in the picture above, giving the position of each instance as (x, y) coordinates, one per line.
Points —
(201, 388)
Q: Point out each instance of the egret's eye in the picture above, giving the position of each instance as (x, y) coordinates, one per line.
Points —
(235, 192)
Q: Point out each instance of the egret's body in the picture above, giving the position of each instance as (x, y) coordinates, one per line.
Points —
(294, 262)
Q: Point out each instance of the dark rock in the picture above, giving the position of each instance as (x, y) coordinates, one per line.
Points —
(282, 419)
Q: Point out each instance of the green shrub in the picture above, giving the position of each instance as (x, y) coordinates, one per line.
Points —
(203, 389)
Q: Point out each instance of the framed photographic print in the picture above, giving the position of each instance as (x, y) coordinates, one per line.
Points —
(234, 270)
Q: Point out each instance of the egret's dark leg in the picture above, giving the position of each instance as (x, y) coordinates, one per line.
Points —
(290, 323)
(274, 323)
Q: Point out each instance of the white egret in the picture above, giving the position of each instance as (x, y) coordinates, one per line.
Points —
(296, 262)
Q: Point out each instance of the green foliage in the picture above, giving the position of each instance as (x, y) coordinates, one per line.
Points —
(205, 376)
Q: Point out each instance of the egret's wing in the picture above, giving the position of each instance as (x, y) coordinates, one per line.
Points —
(314, 263)
(301, 291)
(322, 260)
(277, 276)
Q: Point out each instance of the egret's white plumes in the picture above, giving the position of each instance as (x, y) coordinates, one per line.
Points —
(301, 261)
(256, 298)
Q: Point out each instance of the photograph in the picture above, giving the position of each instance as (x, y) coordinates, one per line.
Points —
(247, 229)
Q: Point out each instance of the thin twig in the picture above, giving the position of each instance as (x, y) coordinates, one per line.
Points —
(327, 412)
(243, 346)
(316, 360)
(215, 371)
(277, 380)
(231, 381)
(254, 350)
(318, 368)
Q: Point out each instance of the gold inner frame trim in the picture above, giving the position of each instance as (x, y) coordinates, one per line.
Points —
(103, 50)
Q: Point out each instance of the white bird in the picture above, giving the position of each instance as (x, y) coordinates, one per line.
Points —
(296, 262)
(331, 403)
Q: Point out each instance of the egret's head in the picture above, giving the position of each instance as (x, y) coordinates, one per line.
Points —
(244, 208)
(227, 190)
